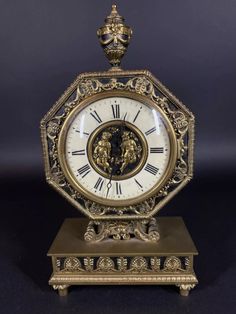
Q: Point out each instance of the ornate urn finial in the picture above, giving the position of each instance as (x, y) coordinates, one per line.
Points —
(114, 37)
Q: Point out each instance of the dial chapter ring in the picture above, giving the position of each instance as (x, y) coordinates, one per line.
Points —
(89, 194)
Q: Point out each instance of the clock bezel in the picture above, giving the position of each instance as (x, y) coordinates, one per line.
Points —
(91, 196)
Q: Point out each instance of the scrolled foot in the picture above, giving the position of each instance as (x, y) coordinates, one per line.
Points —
(62, 290)
(185, 288)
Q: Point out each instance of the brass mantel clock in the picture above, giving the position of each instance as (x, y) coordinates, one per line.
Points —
(118, 145)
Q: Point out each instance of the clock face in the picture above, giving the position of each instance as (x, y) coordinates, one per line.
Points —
(117, 150)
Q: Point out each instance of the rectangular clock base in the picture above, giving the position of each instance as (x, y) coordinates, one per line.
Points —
(124, 262)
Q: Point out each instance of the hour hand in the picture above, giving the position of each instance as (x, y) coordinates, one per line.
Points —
(109, 185)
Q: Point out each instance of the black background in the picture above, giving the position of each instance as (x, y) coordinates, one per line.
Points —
(190, 46)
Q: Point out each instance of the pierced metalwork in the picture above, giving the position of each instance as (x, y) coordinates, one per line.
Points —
(129, 218)
(125, 264)
(122, 162)
(142, 83)
(145, 230)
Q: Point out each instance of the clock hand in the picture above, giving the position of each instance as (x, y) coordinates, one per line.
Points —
(123, 124)
(122, 129)
(109, 184)
(124, 117)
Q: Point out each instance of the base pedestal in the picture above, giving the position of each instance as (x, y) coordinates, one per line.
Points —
(110, 262)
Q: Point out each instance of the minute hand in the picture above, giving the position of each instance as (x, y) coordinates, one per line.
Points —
(109, 185)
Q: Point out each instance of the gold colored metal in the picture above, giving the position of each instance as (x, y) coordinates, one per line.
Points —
(100, 154)
(76, 262)
(130, 150)
(140, 260)
(145, 230)
(140, 85)
(91, 196)
(114, 37)
(133, 149)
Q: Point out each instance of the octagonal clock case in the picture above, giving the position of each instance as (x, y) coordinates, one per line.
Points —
(118, 145)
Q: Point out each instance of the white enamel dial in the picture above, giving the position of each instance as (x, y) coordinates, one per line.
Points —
(147, 119)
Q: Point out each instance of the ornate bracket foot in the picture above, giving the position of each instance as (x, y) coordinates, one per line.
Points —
(62, 290)
(145, 230)
(185, 288)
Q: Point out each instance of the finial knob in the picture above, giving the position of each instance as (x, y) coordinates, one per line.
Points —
(114, 37)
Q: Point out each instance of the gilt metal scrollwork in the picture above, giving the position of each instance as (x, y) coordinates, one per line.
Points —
(126, 264)
(182, 122)
(145, 230)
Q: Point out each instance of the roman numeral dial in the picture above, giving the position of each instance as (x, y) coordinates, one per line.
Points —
(112, 133)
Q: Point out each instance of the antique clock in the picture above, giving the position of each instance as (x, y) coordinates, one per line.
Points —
(118, 145)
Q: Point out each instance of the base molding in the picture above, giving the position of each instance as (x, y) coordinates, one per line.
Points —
(131, 262)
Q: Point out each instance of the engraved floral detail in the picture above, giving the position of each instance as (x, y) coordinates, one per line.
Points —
(139, 84)
(52, 128)
(187, 263)
(72, 264)
(58, 176)
(122, 264)
(172, 264)
(180, 171)
(87, 87)
(139, 209)
(145, 230)
(138, 264)
(180, 122)
(105, 264)
(178, 118)
(155, 263)
(88, 263)
(126, 264)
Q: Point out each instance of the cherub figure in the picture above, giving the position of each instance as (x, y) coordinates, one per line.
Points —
(128, 150)
(102, 152)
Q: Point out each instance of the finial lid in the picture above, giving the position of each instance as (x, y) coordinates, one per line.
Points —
(114, 16)
(114, 37)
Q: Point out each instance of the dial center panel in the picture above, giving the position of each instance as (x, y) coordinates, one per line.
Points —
(117, 150)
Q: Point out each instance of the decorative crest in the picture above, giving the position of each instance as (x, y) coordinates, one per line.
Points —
(114, 37)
